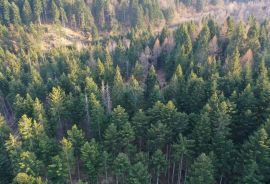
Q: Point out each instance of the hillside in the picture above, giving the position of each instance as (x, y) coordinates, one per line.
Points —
(134, 92)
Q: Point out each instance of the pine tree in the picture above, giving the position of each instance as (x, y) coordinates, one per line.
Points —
(29, 164)
(184, 46)
(158, 164)
(26, 130)
(111, 139)
(55, 14)
(57, 107)
(180, 151)
(262, 93)
(244, 121)
(252, 174)
(202, 131)
(126, 136)
(91, 158)
(133, 96)
(13, 146)
(255, 157)
(23, 178)
(109, 70)
(121, 166)
(91, 87)
(201, 46)
(194, 101)
(138, 174)
(76, 137)
(202, 171)
(235, 65)
(119, 116)
(26, 12)
(97, 115)
(57, 171)
(118, 88)
(158, 134)
(6, 173)
(100, 71)
(5, 11)
(15, 17)
(151, 86)
(67, 156)
(140, 122)
(37, 8)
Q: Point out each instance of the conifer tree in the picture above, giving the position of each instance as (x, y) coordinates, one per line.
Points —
(15, 17)
(158, 164)
(91, 158)
(202, 171)
(140, 122)
(26, 12)
(55, 12)
(118, 88)
(97, 116)
(138, 173)
(5, 11)
(121, 166)
(37, 8)
(6, 173)
(151, 86)
(180, 151)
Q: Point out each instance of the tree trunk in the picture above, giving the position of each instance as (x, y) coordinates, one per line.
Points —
(173, 172)
(221, 178)
(185, 175)
(78, 168)
(106, 172)
(180, 169)
(87, 114)
(69, 170)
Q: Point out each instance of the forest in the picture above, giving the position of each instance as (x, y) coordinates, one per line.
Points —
(186, 105)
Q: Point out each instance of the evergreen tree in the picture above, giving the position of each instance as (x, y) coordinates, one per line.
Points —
(5, 11)
(151, 85)
(37, 8)
(91, 158)
(97, 116)
(111, 139)
(133, 96)
(15, 17)
(57, 107)
(118, 88)
(180, 151)
(6, 173)
(158, 164)
(261, 92)
(121, 166)
(201, 171)
(26, 12)
(140, 122)
(55, 14)
(138, 174)
(57, 171)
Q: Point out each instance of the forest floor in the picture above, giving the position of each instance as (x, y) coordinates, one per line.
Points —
(56, 36)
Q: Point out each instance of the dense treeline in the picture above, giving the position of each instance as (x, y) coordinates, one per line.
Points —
(87, 15)
(94, 15)
(188, 106)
